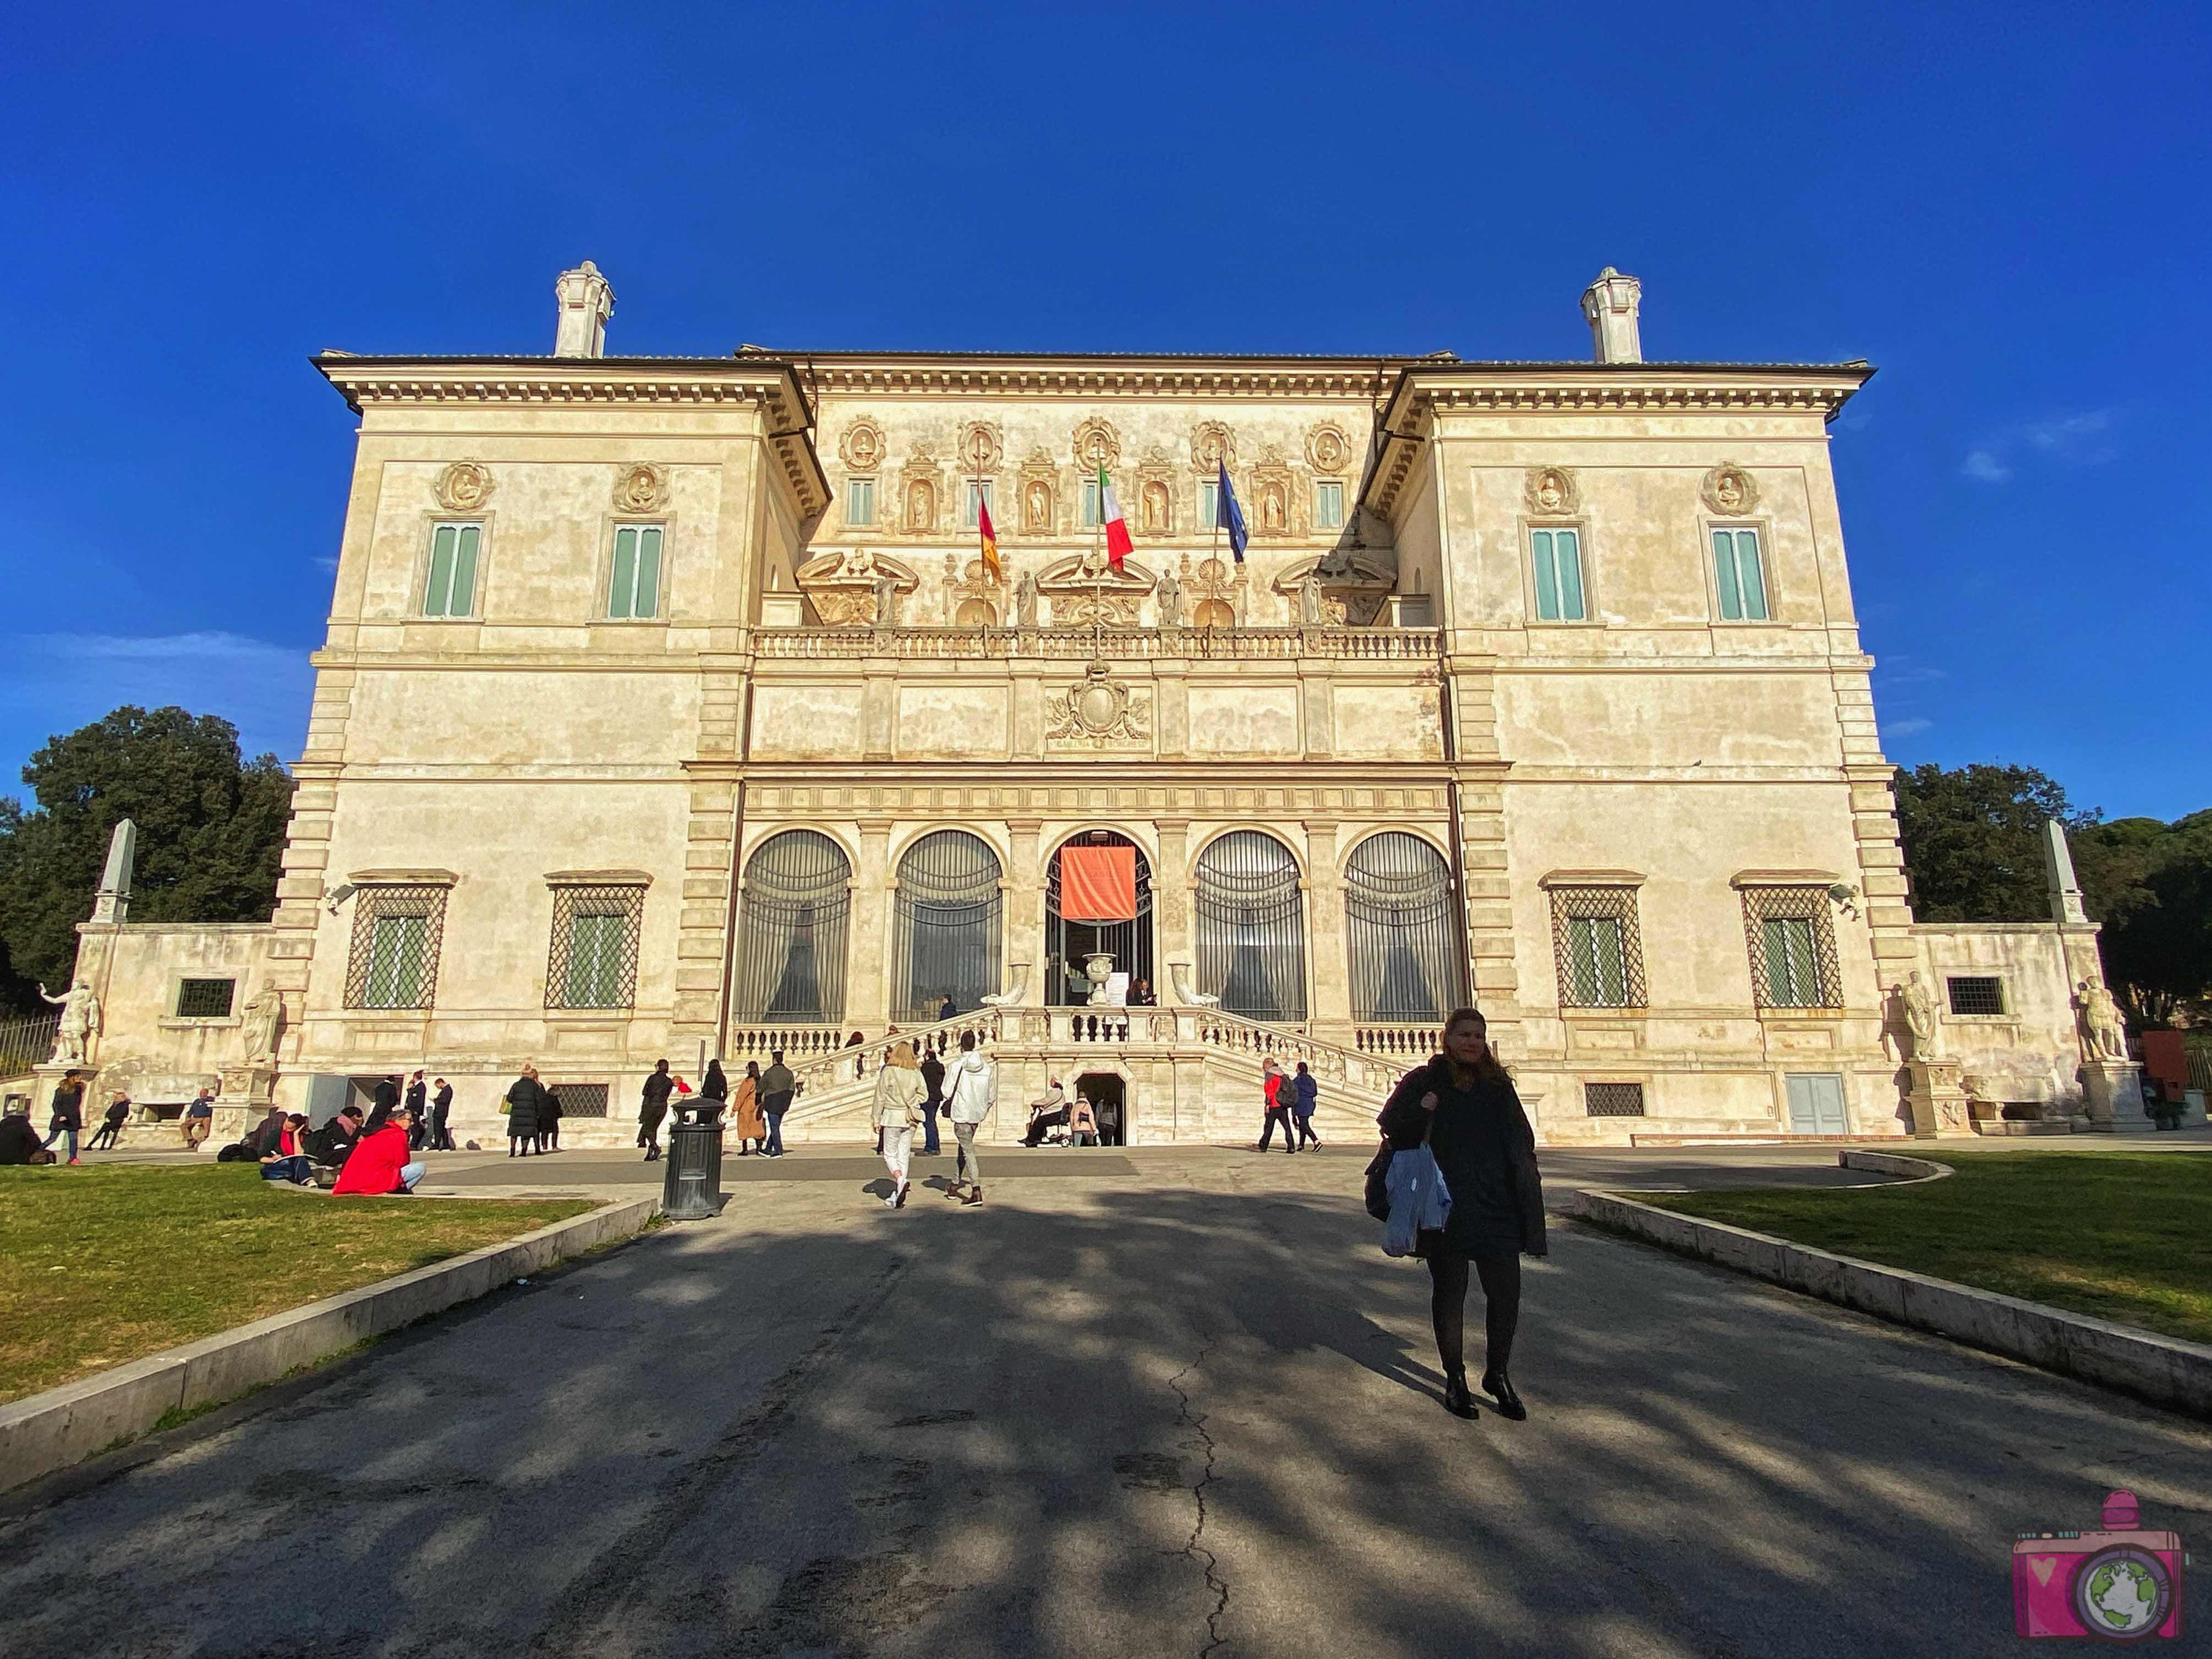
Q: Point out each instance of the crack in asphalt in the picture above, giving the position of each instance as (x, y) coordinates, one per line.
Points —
(1192, 1548)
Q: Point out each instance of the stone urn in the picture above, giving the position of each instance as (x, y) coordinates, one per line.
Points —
(1098, 968)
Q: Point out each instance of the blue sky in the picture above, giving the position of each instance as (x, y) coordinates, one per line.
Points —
(2004, 208)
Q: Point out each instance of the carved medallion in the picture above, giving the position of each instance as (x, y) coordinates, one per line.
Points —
(1328, 449)
(862, 446)
(1213, 445)
(1551, 492)
(641, 488)
(1097, 444)
(1099, 713)
(464, 487)
(979, 448)
(1730, 491)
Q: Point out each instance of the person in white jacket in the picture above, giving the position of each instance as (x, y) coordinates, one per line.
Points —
(899, 1093)
(971, 1090)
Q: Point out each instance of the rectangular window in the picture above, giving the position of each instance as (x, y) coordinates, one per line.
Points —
(980, 490)
(580, 1099)
(1558, 557)
(205, 999)
(1090, 499)
(394, 959)
(1792, 943)
(1598, 947)
(1739, 575)
(1209, 503)
(860, 502)
(1977, 994)
(450, 589)
(634, 592)
(1612, 1100)
(1328, 504)
(592, 962)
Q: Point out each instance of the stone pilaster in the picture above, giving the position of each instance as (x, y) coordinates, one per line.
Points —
(1172, 924)
(1025, 910)
(1937, 1098)
(1478, 781)
(1330, 1007)
(867, 1004)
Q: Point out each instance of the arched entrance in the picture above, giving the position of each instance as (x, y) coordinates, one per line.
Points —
(1108, 1095)
(1070, 940)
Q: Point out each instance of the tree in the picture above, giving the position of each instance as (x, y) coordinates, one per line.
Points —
(210, 835)
(1973, 840)
(2158, 930)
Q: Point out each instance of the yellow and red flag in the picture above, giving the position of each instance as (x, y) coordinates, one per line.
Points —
(990, 538)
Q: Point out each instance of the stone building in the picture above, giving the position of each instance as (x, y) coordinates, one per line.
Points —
(669, 706)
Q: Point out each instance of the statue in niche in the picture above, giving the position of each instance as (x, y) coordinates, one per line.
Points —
(1156, 508)
(1309, 603)
(1025, 601)
(1271, 508)
(1168, 594)
(920, 505)
(1036, 508)
(886, 602)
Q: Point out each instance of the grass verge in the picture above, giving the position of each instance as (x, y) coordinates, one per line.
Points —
(2120, 1236)
(109, 1263)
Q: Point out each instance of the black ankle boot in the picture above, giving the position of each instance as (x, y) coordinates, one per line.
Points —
(1457, 1400)
(1506, 1403)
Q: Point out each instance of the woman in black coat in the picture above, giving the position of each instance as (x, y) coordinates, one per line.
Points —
(653, 1106)
(713, 1092)
(1464, 1103)
(524, 1097)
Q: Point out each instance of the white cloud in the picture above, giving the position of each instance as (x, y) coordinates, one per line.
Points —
(1911, 728)
(51, 684)
(2083, 440)
(1984, 464)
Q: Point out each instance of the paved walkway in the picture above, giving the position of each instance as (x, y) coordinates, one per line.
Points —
(1187, 1410)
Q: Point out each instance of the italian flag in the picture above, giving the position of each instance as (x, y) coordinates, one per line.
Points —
(1117, 530)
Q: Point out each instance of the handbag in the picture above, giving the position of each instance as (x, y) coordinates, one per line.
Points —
(1378, 1183)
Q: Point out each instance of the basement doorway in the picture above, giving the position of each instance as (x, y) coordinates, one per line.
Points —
(1109, 1096)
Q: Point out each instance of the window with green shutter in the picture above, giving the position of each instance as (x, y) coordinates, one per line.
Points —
(634, 592)
(593, 957)
(1739, 576)
(980, 494)
(396, 950)
(860, 501)
(1792, 942)
(1557, 557)
(1209, 503)
(1328, 504)
(450, 588)
(1598, 947)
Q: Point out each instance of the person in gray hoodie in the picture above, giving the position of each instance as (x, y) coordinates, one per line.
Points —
(971, 1090)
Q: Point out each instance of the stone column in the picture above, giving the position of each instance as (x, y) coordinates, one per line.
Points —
(1025, 910)
(867, 1000)
(1330, 1008)
(1171, 927)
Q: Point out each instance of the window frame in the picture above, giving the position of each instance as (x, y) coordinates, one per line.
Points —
(481, 523)
(1093, 505)
(968, 493)
(867, 482)
(1951, 1009)
(1760, 531)
(659, 616)
(1208, 513)
(621, 901)
(229, 1015)
(377, 901)
(1532, 590)
(1586, 900)
(1319, 485)
(1771, 900)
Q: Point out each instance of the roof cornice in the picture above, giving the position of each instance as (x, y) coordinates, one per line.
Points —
(1360, 380)
(768, 384)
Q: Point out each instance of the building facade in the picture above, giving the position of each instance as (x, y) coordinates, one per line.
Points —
(671, 706)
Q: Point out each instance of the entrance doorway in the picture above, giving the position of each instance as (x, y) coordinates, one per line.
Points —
(1070, 943)
(1816, 1103)
(1108, 1098)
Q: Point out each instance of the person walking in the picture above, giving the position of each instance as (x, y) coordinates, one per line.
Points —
(197, 1120)
(68, 1119)
(745, 1109)
(777, 1085)
(1279, 1108)
(441, 1107)
(1463, 1104)
(932, 1080)
(652, 1108)
(714, 1091)
(525, 1096)
(947, 1009)
(417, 1101)
(111, 1122)
(973, 1092)
(899, 1092)
(1305, 1095)
(1082, 1123)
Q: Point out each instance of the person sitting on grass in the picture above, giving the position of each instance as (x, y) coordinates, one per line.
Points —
(287, 1160)
(331, 1145)
(18, 1141)
(377, 1163)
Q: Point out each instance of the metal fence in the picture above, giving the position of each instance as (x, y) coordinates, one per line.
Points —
(28, 1043)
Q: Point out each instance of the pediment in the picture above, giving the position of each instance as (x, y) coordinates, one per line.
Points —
(1088, 572)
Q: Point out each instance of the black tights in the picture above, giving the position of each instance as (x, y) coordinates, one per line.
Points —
(1501, 1295)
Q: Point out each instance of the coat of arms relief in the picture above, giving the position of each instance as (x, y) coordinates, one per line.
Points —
(1100, 712)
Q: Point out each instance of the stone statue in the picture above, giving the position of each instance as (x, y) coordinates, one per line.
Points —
(1037, 514)
(2104, 1035)
(1168, 594)
(1918, 1008)
(264, 1020)
(1156, 508)
(1270, 509)
(1025, 601)
(886, 602)
(1309, 603)
(1177, 975)
(79, 1022)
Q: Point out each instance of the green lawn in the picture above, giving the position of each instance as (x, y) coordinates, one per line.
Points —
(2124, 1235)
(109, 1263)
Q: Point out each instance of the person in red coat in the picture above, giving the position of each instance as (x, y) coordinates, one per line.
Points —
(378, 1163)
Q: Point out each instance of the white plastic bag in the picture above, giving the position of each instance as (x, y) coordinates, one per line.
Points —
(1419, 1200)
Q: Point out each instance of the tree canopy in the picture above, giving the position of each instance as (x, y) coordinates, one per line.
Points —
(210, 835)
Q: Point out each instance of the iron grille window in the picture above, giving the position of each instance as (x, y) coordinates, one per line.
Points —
(396, 934)
(205, 999)
(946, 926)
(1598, 946)
(1399, 933)
(1613, 1099)
(593, 960)
(1068, 945)
(1976, 994)
(581, 1099)
(1793, 948)
(1251, 928)
(798, 901)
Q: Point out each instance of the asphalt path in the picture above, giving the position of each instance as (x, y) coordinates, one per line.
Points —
(1187, 1410)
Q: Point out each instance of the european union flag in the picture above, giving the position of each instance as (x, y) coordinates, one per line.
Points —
(1230, 517)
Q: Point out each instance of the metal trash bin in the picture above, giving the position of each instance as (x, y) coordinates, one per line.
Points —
(691, 1185)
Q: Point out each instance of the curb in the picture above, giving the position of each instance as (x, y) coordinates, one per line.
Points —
(47, 1432)
(2162, 1370)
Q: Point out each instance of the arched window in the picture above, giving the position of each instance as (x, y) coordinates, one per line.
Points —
(790, 932)
(1251, 928)
(1400, 933)
(944, 941)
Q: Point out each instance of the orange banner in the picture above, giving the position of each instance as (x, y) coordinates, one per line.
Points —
(1098, 883)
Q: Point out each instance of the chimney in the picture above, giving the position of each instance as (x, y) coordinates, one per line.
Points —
(1611, 304)
(587, 302)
